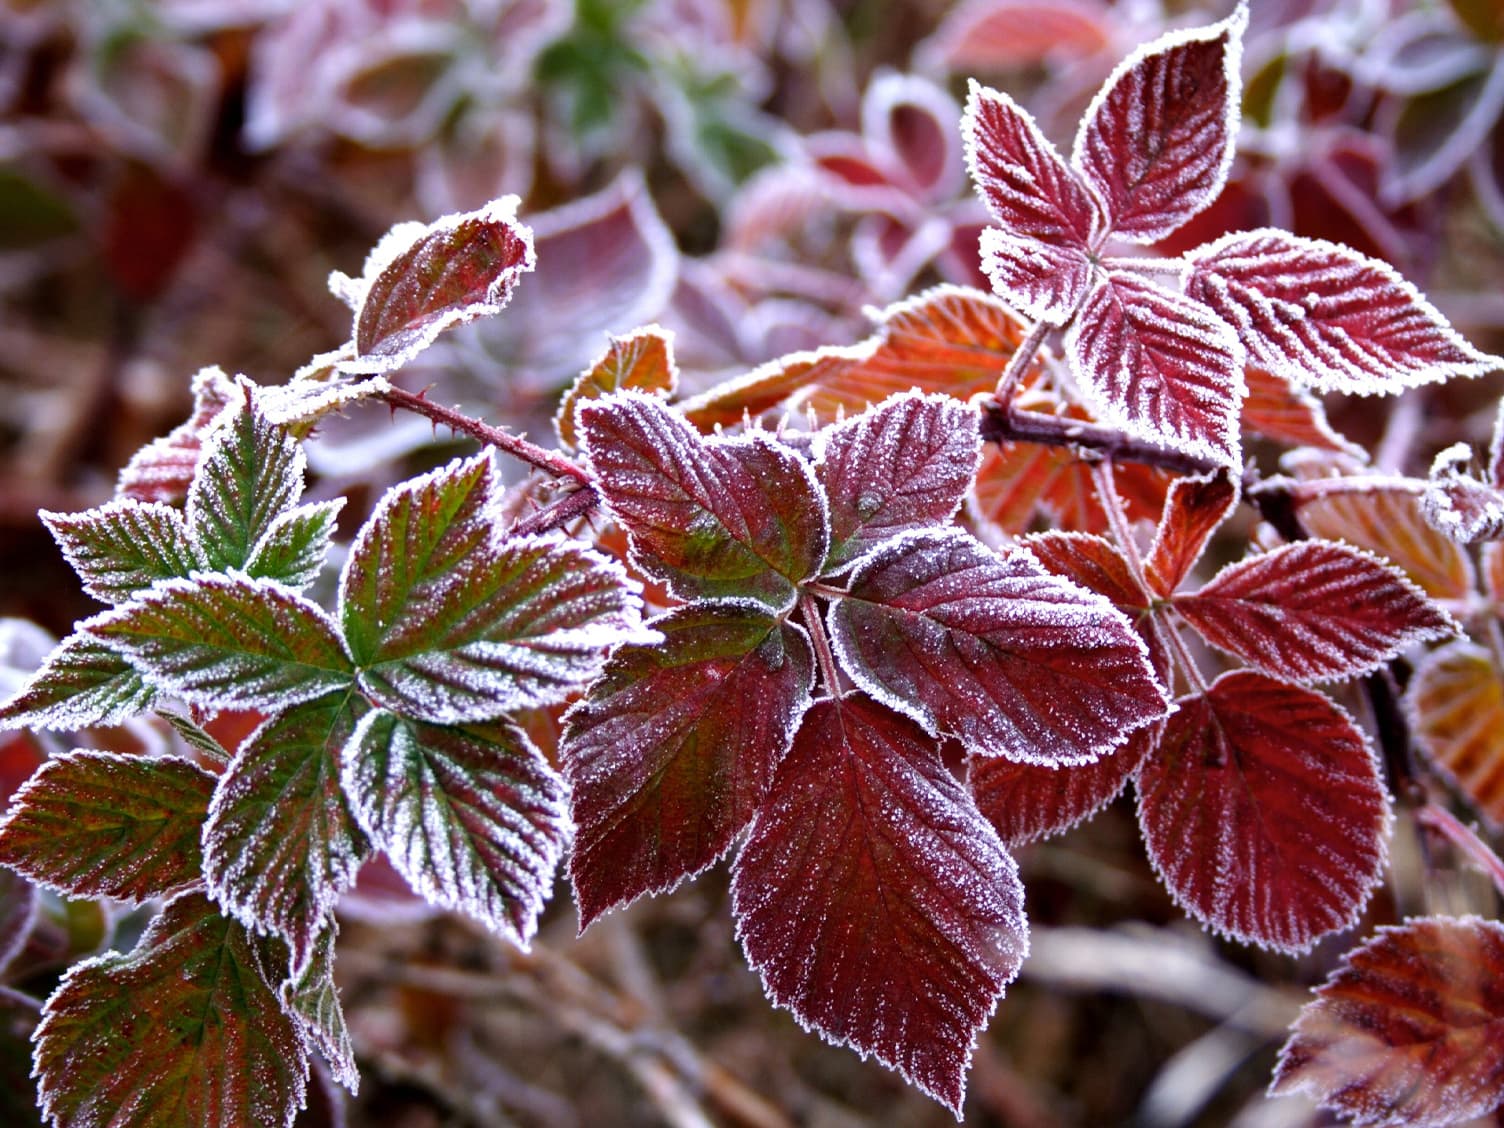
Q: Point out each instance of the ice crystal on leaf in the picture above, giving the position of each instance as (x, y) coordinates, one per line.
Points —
(1457, 503)
(124, 546)
(83, 683)
(642, 359)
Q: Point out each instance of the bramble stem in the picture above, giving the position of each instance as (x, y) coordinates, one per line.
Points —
(1022, 357)
(549, 461)
(829, 673)
(1001, 422)
(560, 511)
(1464, 838)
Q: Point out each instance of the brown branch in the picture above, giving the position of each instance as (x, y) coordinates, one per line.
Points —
(1003, 423)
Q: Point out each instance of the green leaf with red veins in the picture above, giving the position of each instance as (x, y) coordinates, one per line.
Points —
(217, 640)
(452, 623)
(875, 901)
(472, 817)
(98, 824)
(1263, 812)
(1314, 611)
(420, 279)
(714, 518)
(185, 1032)
(1408, 1030)
(294, 546)
(672, 750)
(281, 843)
(993, 650)
(124, 546)
(312, 999)
(642, 359)
(1194, 509)
(82, 684)
(250, 474)
(905, 464)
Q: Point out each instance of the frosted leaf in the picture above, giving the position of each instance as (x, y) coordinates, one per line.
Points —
(293, 548)
(163, 469)
(1276, 409)
(124, 546)
(98, 824)
(228, 640)
(1457, 503)
(195, 736)
(1263, 812)
(185, 1032)
(671, 752)
(1321, 315)
(312, 1000)
(721, 518)
(420, 279)
(993, 650)
(874, 900)
(305, 400)
(1160, 366)
(903, 465)
(1314, 611)
(1409, 1030)
(280, 844)
(912, 121)
(642, 359)
(473, 818)
(1194, 509)
(1388, 522)
(1455, 706)
(1039, 255)
(83, 684)
(1157, 141)
(1092, 562)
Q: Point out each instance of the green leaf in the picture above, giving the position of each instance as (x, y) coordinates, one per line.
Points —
(185, 1032)
(473, 818)
(83, 684)
(97, 824)
(295, 544)
(220, 641)
(250, 473)
(124, 546)
(195, 736)
(313, 1001)
(280, 844)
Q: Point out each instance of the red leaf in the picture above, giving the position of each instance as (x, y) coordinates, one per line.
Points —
(642, 359)
(1194, 510)
(1278, 411)
(993, 650)
(1263, 812)
(903, 465)
(1157, 141)
(1455, 704)
(671, 752)
(915, 120)
(1321, 315)
(1157, 364)
(993, 35)
(1039, 255)
(874, 900)
(1408, 1030)
(739, 517)
(1388, 522)
(1027, 802)
(163, 469)
(1093, 562)
(1314, 611)
(18, 912)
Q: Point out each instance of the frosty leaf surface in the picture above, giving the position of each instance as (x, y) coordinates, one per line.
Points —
(421, 279)
(1157, 141)
(1093, 562)
(1389, 523)
(672, 750)
(124, 546)
(1194, 509)
(1038, 256)
(1027, 802)
(312, 999)
(83, 683)
(294, 546)
(1263, 812)
(99, 824)
(874, 900)
(642, 360)
(734, 517)
(1321, 315)
(1313, 611)
(1408, 1030)
(993, 650)
(250, 473)
(217, 638)
(163, 470)
(903, 465)
(472, 817)
(281, 843)
(182, 1033)
(1457, 503)
(1156, 363)
(1455, 704)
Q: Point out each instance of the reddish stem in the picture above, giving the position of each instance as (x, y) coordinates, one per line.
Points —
(1465, 839)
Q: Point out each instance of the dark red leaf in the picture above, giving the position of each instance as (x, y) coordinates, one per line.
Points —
(671, 752)
(1314, 611)
(1027, 802)
(1093, 562)
(1263, 811)
(874, 900)
(1194, 509)
(1159, 365)
(994, 650)
(1157, 142)
(915, 120)
(1408, 1030)
(1455, 704)
(1321, 315)
(1039, 256)
(740, 517)
(903, 465)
